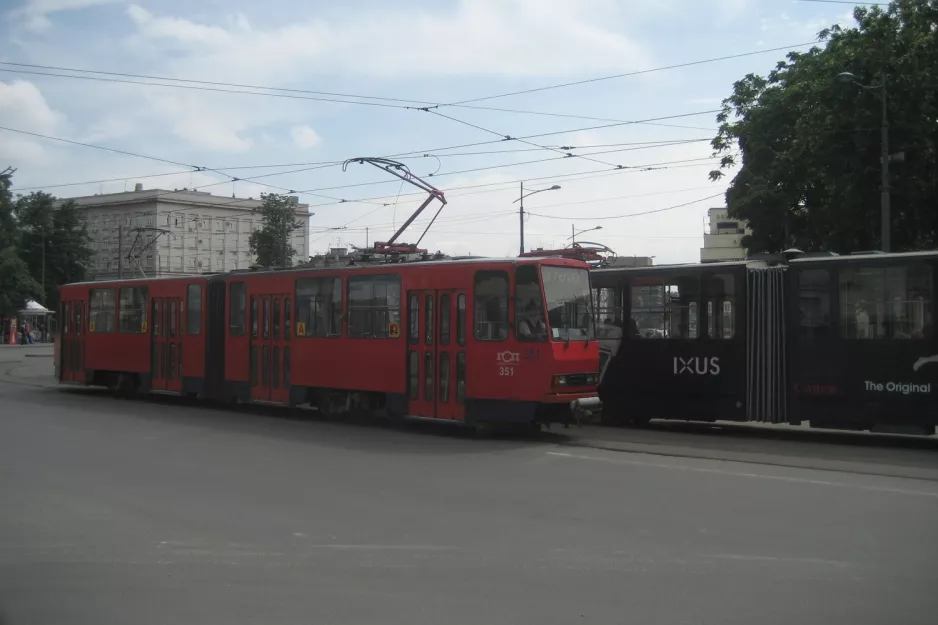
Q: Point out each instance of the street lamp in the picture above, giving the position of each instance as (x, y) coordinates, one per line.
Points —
(573, 230)
(521, 209)
(847, 77)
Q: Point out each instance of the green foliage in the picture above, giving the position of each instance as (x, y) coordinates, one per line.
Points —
(809, 145)
(16, 285)
(8, 230)
(272, 242)
(44, 221)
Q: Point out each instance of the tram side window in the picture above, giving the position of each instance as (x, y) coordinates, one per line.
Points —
(491, 305)
(886, 302)
(194, 309)
(319, 306)
(665, 309)
(814, 303)
(133, 309)
(608, 307)
(101, 318)
(721, 306)
(374, 306)
(238, 307)
(529, 305)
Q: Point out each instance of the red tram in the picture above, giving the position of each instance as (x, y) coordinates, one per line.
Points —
(478, 341)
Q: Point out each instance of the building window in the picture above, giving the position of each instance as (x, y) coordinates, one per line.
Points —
(374, 306)
(236, 304)
(814, 303)
(133, 309)
(319, 306)
(665, 309)
(886, 302)
(194, 309)
(219, 225)
(529, 305)
(101, 318)
(721, 306)
(491, 305)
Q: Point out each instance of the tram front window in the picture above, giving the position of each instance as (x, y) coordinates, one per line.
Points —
(567, 291)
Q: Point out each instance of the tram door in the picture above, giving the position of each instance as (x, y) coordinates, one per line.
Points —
(166, 344)
(269, 365)
(436, 354)
(72, 348)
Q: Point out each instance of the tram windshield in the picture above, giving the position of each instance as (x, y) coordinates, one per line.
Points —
(569, 314)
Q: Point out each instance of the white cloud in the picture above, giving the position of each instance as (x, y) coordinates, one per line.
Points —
(178, 29)
(304, 137)
(35, 13)
(22, 106)
(479, 37)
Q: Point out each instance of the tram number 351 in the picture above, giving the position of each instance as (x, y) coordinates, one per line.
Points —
(506, 371)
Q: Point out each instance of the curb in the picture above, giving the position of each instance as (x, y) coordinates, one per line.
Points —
(836, 466)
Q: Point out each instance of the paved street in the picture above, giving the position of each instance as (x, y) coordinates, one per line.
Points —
(165, 511)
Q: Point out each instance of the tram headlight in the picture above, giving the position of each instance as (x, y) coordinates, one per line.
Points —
(576, 379)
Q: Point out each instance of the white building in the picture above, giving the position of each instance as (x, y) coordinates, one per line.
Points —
(158, 232)
(723, 237)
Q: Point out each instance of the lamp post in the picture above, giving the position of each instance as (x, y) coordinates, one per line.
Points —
(573, 230)
(847, 77)
(521, 209)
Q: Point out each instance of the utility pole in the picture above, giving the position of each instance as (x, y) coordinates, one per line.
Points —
(120, 252)
(521, 216)
(573, 232)
(44, 267)
(884, 170)
(366, 237)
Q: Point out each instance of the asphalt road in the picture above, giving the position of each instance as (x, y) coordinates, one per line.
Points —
(162, 511)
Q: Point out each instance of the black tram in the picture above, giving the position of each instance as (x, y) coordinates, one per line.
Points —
(841, 342)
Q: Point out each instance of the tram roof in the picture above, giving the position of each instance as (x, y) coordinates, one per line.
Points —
(364, 266)
(846, 258)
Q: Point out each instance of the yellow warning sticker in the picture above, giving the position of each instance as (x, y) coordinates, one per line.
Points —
(394, 330)
(301, 329)
(143, 326)
(91, 327)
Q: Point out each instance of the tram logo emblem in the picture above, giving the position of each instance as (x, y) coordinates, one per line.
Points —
(921, 362)
(697, 365)
(508, 357)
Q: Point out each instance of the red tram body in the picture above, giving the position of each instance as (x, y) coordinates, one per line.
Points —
(474, 340)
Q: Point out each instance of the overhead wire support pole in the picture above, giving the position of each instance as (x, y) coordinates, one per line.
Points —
(403, 172)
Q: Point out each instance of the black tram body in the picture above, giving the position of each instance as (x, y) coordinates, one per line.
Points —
(682, 354)
(842, 342)
(862, 351)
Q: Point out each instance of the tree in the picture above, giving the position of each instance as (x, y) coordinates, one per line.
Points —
(809, 145)
(16, 284)
(271, 243)
(54, 242)
(8, 229)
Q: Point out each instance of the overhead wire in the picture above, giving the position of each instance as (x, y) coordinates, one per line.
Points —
(346, 98)
(626, 74)
(648, 212)
(565, 153)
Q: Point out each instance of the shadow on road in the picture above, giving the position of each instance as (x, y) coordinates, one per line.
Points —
(802, 434)
(308, 424)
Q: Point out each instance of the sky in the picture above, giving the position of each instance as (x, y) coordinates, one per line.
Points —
(646, 183)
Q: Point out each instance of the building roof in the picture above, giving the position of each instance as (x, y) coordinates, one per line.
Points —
(187, 197)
